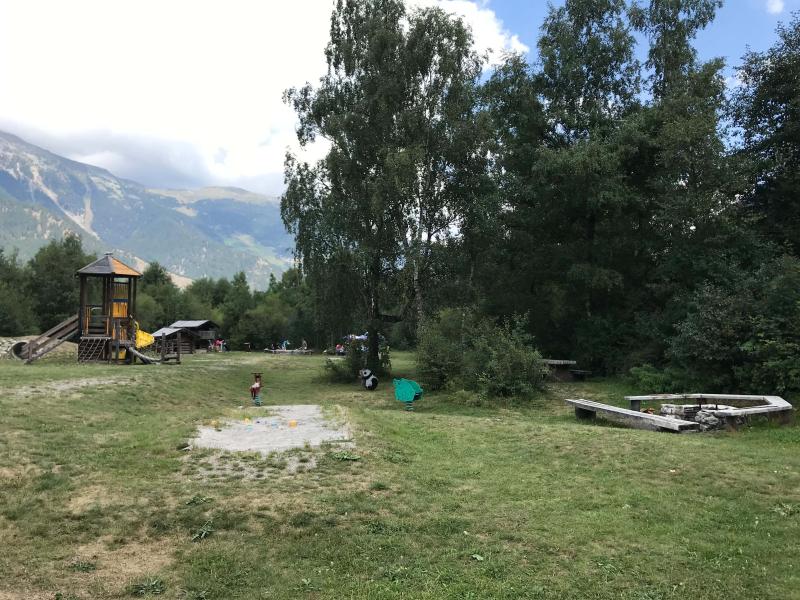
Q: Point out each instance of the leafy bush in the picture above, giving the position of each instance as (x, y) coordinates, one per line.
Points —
(509, 364)
(771, 354)
(345, 369)
(744, 336)
(650, 380)
(459, 350)
(441, 347)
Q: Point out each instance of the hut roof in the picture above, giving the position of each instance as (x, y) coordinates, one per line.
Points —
(165, 331)
(108, 265)
(192, 324)
(170, 331)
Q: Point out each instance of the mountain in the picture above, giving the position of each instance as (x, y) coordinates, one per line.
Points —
(207, 232)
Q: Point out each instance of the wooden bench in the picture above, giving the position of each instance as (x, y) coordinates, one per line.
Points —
(580, 374)
(588, 409)
(560, 369)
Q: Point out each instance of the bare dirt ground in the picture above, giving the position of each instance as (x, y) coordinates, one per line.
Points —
(69, 385)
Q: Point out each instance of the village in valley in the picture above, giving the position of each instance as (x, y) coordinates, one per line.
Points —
(522, 321)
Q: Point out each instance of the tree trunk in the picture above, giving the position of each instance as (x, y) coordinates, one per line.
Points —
(418, 306)
(373, 356)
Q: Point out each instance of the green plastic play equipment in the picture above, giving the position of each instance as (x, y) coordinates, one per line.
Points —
(407, 391)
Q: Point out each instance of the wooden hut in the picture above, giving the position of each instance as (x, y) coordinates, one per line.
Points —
(175, 341)
(204, 331)
(106, 323)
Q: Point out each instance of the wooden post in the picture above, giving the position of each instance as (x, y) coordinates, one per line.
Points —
(179, 348)
(117, 333)
(163, 346)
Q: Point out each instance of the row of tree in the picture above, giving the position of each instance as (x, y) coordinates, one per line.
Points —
(639, 213)
(44, 291)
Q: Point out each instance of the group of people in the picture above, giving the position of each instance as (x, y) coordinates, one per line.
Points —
(218, 345)
(284, 345)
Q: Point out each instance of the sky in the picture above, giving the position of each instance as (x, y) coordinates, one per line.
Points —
(187, 93)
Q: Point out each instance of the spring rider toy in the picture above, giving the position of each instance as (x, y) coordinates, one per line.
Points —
(407, 391)
(255, 389)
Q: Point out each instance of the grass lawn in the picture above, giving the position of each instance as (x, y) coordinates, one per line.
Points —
(98, 500)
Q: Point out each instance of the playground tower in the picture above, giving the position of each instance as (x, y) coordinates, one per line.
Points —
(106, 325)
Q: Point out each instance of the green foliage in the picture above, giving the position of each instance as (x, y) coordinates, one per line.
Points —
(52, 285)
(398, 106)
(745, 335)
(458, 349)
(402, 336)
(152, 586)
(671, 27)
(267, 323)
(345, 369)
(766, 108)
(16, 314)
(206, 530)
(650, 380)
(508, 364)
(772, 348)
(441, 348)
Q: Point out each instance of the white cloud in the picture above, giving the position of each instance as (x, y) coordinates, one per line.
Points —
(488, 31)
(775, 7)
(202, 80)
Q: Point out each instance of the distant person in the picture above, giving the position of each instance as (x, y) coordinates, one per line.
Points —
(285, 345)
(304, 345)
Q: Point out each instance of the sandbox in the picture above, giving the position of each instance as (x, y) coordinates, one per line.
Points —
(281, 428)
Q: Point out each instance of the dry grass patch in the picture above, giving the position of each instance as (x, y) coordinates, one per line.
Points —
(93, 496)
(113, 568)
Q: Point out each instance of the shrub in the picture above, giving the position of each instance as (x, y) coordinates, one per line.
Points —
(511, 366)
(345, 369)
(459, 350)
(441, 347)
(650, 380)
(744, 336)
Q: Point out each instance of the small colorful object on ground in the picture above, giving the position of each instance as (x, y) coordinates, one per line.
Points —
(407, 391)
(292, 424)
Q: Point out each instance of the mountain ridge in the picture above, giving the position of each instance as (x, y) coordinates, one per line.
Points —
(214, 231)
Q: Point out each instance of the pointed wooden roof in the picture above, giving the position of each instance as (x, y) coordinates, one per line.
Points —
(108, 265)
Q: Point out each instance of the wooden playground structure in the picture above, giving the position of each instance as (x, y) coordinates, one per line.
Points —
(105, 325)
